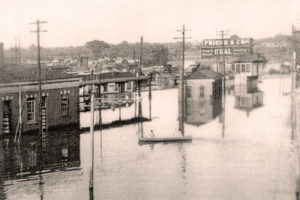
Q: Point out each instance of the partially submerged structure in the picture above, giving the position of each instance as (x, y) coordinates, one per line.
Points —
(203, 96)
(248, 70)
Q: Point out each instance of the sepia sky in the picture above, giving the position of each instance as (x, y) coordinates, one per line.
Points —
(73, 22)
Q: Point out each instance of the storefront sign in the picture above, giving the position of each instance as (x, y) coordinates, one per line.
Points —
(214, 47)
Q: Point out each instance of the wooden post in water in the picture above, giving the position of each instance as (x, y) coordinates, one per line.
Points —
(224, 87)
(150, 98)
(139, 100)
(119, 102)
(91, 184)
(181, 97)
(293, 86)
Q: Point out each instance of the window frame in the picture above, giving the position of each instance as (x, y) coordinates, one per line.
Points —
(31, 109)
(243, 67)
(128, 86)
(237, 67)
(188, 91)
(202, 91)
(64, 108)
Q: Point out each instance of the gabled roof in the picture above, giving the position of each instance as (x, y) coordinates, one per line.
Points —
(204, 73)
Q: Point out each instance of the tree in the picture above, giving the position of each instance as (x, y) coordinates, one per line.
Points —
(96, 47)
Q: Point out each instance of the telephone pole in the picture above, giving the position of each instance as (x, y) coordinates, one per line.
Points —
(141, 57)
(224, 84)
(181, 85)
(37, 31)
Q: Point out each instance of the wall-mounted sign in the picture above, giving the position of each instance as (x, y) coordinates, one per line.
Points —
(214, 47)
(227, 42)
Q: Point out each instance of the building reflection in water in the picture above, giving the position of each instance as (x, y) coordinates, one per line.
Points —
(248, 71)
(62, 152)
(247, 98)
(203, 96)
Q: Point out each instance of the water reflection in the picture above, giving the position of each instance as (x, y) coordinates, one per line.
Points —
(248, 97)
(203, 109)
(18, 162)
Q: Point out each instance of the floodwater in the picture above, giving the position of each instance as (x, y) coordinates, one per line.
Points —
(257, 159)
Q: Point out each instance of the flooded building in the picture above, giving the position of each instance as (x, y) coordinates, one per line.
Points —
(203, 96)
(248, 98)
(115, 89)
(248, 70)
(19, 100)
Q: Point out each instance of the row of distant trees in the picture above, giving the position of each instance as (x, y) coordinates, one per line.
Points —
(153, 53)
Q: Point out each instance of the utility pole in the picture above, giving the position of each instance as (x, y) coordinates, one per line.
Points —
(38, 30)
(224, 84)
(141, 57)
(91, 184)
(20, 60)
(181, 96)
(134, 61)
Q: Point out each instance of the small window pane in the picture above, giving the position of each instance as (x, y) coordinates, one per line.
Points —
(201, 91)
(188, 91)
(30, 109)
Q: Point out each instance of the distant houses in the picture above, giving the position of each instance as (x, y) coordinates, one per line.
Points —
(203, 96)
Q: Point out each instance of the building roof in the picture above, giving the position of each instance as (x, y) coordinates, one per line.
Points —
(21, 74)
(249, 58)
(204, 73)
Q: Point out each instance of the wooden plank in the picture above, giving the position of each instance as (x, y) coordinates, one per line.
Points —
(165, 139)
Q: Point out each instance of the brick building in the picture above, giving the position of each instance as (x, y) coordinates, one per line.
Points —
(19, 100)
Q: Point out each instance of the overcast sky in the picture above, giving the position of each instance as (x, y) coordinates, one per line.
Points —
(74, 22)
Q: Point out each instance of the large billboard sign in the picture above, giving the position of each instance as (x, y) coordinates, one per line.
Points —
(232, 47)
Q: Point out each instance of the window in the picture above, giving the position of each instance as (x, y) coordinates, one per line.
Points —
(129, 86)
(247, 101)
(242, 101)
(248, 67)
(105, 87)
(243, 67)
(30, 109)
(188, 91)
(116, 87)
(122, 87)
(64, 103)
(201, 91)
(237, 68)
(202, 108)
(188, 109)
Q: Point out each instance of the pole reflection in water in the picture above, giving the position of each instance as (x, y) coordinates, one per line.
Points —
(182, 152)
(41, 187)
(2, 167)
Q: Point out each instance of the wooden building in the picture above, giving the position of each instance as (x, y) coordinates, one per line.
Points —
(247, 68)
(247, 71)
(203, 96)
(115, 89)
